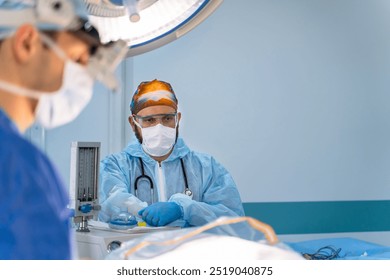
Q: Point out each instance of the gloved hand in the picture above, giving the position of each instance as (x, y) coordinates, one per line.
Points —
(161, 213)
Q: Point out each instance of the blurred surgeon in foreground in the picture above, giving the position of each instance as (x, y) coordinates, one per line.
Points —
(45, 53)
(157, 176)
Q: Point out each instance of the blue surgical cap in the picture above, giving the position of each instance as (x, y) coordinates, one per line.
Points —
(13, 5)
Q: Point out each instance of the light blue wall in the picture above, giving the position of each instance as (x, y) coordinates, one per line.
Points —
(291, 96)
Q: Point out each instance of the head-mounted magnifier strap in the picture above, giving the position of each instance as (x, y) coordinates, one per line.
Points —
(101, 65)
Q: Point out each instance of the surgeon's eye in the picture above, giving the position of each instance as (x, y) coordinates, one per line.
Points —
(168, 118)
(149, 121)
(93, 50)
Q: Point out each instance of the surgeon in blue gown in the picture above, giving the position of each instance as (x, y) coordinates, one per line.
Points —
(43, 78)
(157, 176)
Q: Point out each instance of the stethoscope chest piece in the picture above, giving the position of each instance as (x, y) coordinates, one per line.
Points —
(188, 192)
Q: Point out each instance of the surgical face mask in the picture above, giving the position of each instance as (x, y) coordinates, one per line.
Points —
(66, 104)
(158, 140)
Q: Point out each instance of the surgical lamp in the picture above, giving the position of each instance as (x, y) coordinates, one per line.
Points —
(147, 24)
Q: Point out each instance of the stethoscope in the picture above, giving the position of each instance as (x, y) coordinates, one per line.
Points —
(144, 177)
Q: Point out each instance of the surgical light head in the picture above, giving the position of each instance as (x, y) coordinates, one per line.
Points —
(133, 7)
(65, 15)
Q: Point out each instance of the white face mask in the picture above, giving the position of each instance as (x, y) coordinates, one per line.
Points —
(67, 103)
(64, 105)
(157, 140)
(75, 93)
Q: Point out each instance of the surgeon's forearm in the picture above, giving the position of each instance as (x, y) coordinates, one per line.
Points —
(117, 200)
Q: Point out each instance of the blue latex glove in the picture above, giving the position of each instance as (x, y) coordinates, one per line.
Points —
(161, 213)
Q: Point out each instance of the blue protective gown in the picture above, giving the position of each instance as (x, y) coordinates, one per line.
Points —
(214, 192)
(34, 219)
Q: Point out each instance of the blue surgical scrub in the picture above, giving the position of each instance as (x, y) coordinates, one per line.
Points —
(214, 191)
(34, 218)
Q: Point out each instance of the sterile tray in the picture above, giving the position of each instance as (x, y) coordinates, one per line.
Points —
(144, 229)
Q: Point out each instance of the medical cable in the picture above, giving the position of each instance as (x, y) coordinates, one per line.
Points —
(324, 253)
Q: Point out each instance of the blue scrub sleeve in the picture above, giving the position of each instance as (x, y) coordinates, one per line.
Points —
(114, 191)
(34, 218)
(220, 197)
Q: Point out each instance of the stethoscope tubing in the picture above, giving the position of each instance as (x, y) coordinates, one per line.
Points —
(144, 176)
(187, 190)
